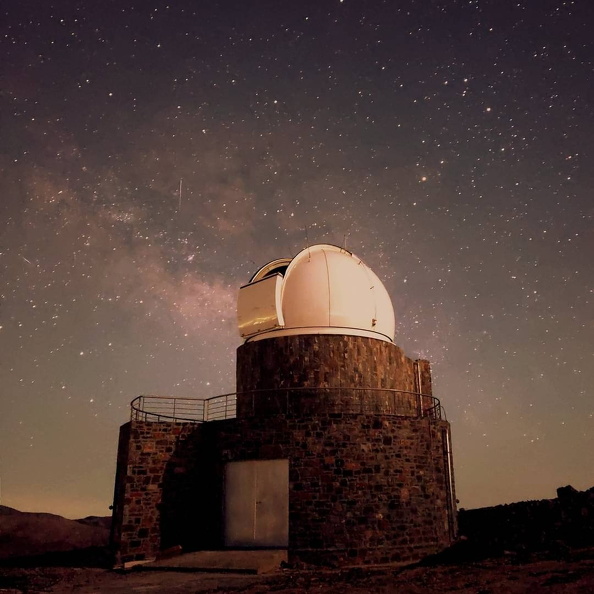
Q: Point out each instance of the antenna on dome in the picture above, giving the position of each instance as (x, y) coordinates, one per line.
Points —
(344, 242)
(307, 244)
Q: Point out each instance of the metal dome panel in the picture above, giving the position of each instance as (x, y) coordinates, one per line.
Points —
(259, 306)
(325, 290)
(306, 290)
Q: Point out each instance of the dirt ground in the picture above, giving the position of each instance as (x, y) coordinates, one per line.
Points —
(504, 575)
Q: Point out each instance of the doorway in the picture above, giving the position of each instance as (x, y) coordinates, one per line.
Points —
(257, 503)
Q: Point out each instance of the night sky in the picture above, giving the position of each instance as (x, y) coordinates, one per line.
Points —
(449, 143)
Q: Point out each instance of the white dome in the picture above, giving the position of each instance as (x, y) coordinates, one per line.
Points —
(323, 290)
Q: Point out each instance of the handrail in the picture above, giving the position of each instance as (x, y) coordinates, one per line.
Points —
(403, 403)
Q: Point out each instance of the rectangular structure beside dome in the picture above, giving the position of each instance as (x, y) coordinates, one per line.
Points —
(259, 306)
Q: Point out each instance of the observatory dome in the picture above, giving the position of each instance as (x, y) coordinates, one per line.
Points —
(324, 289)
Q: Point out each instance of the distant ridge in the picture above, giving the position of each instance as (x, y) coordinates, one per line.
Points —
(34, 534)
(98, 521)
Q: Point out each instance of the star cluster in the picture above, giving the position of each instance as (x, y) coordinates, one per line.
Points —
(153, 155)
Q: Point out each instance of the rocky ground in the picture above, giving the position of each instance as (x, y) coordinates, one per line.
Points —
(511, 574)
(529, 547)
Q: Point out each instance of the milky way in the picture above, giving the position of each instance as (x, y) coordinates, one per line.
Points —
(154, 155)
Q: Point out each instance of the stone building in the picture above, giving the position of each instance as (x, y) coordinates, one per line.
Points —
(333, 446)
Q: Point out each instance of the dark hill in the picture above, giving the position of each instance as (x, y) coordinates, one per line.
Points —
(98, 521)
(27, 534)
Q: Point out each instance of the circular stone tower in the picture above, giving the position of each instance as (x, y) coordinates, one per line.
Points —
(322, 386)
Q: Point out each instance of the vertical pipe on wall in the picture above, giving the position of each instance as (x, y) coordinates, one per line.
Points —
(418, 387)
(449, 483)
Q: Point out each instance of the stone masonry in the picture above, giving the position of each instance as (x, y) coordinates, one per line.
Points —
(362, 488)
(370, 472)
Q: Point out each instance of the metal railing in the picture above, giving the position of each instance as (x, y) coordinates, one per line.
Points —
(301, 400)
(196, 410)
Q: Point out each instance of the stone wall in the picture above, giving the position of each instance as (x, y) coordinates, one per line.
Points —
(352, 374)
(154, 476)
(323, 361)
(375, 486)
(119, 492)
(370, 478)
(362, 488)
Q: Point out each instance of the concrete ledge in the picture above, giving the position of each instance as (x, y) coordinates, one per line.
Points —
(239, 561)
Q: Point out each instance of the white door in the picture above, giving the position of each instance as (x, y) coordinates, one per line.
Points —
(257, 503)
